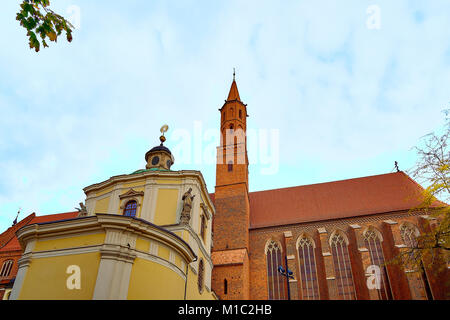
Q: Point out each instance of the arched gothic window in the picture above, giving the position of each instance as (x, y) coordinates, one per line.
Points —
(419, 285)
(308, 270)
(275, 281)
(342, 266)
(409, 235)
(130, 209)
(372, 240)
(203, 227)
(6, 268)
(201, 275)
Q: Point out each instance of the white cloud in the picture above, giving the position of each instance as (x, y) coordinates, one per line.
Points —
(342, 96)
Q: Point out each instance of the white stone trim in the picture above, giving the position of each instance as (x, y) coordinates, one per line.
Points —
(321, 230)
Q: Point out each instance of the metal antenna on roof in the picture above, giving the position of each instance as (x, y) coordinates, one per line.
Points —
(396, 166)
(234, 74)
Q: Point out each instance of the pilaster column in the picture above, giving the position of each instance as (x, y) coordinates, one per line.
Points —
(363, 255)
(328, 264)
(392, 244)
(23, 263)
(117, 258)
(435, 266)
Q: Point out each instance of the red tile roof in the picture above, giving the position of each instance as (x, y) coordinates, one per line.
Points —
(234, 93)
(8, 239)
(54, 217)
(334, 200)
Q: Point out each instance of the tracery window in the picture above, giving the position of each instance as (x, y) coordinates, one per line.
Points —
(372, 242)
(6, 268)
(342, 267)
(130, 209)
(275, 281)
(419, 285)
(308, 270)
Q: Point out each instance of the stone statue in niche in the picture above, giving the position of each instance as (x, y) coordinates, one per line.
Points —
(187, 206)
(82, 211)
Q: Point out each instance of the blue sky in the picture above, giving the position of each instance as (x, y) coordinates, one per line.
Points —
(346, 100)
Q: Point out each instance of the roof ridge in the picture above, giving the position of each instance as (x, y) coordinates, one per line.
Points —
(342, 180)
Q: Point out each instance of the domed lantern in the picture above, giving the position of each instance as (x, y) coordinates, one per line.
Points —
(160, 156)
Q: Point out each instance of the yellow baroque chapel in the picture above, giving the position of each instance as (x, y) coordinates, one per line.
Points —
(145, 235)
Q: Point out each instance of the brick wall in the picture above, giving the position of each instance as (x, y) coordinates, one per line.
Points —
(387, 224)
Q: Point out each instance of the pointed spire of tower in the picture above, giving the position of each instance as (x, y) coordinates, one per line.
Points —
(234, 92)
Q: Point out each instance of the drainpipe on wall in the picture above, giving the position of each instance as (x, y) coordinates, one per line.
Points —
(185, 283)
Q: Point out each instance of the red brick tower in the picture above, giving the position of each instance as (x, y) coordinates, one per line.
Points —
(230, 278)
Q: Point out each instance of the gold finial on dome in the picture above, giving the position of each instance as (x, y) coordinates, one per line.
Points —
(163, 129)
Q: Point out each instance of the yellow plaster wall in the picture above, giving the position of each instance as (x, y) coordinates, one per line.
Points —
(142, 245)
(166, 206)
(192, 289)
(168, 181)
(134, 185)
(153, 281)
(46, 277)
(192, 283)
(163, 252)
(70, 242)
(104, 191)
(101, 206)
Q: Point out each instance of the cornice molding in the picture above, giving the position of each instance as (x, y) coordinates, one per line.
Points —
(105, 222)
(181, 174)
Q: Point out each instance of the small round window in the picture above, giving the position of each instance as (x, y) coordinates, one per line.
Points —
(155, 160)
(169, 163)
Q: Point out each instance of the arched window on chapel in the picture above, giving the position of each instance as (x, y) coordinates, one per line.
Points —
(372, 241)
(275, 281)
(418, 281)
(130, 209)
(308, 270)
(6, 268)
(342, 266)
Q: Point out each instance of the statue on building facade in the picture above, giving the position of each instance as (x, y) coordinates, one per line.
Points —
(187, 206)
(82, 211)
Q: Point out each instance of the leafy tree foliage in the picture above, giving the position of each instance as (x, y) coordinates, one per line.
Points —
(432, 248)
(42, 23)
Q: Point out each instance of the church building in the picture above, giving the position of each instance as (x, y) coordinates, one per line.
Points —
(140, 236)
(327, 234)
(157, 233)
